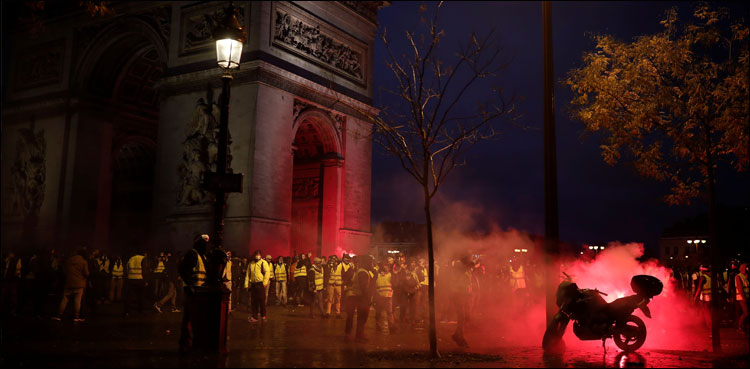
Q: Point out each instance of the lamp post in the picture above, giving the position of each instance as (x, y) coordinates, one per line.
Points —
(229, 36)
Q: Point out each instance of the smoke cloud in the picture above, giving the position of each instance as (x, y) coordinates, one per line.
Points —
(517, 318)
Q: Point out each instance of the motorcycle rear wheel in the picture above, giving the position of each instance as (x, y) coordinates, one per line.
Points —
(630, 334)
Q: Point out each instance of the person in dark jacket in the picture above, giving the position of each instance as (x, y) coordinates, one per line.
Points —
(76, 278)
(169, 280)
(192, 270)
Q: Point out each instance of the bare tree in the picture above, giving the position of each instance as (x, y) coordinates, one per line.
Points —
(428, 127)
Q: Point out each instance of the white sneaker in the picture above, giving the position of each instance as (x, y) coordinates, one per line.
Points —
(157, 307)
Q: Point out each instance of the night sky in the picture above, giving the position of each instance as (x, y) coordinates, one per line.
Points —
(597, 203)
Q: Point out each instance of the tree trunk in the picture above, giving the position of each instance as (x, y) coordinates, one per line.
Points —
(431, 276)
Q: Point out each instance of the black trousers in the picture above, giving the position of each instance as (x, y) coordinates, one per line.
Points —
(362, 307)
(188, 319)
(135, 289)
(257, 299)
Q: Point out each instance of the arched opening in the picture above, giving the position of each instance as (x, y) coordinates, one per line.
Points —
(115, 164)
(132, 193)
(314, 184)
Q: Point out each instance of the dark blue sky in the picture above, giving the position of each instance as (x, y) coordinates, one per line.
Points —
(597, 203)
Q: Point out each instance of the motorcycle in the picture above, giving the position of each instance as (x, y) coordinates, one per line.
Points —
(595, 319)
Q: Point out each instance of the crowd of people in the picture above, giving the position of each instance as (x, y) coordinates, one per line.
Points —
(330, 287)
(732, 293)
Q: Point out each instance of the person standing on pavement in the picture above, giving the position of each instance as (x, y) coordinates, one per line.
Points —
(257, 279)
(333, 302)
(192, 270)
(384, 297)
(461, 295)
(359, 297)
(118, 273)
(135, 284)
(169, 281)
(316, 286)
(269, 261)
(703, 294)
(76, 278)
(742, 294)
(280, 272)
(300, 279)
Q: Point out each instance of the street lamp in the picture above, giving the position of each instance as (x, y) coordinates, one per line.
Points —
(229, 36)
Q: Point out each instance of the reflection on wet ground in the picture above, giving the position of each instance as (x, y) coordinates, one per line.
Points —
(290, 339)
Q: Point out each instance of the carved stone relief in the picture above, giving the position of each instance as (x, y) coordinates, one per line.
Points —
(28, 173)
(317, 43)
(199, 154)
(305, 188)
(40, 66)
(198, 23)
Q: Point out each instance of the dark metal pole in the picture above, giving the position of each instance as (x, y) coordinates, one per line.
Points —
(551, 231)
(221, 161)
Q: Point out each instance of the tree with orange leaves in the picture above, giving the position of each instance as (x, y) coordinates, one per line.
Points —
(676, 103)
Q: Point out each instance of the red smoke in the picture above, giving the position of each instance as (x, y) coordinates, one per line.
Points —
(506, 319)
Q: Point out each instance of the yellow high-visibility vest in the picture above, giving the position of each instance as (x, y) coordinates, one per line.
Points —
(300, 271)
(318, 279)
(335, 278)
(280, 272)
(199, 271)
(118, 271)
(383, 285)
(159, 268)
(426, 281)
(354, 289)
(706, 292)
(227, 274)
(256, 272)
(134, 267)
(744, 287)
(103, 265)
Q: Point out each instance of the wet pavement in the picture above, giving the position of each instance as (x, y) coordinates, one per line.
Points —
(291, 339)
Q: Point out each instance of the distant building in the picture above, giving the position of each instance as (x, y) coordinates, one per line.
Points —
(398, 238)
(687, 243)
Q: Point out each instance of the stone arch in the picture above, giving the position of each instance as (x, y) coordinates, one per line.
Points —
(130, 34)
(115, 78)
(325, 126)
(317, 177)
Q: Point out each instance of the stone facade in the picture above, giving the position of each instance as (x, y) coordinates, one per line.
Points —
(110, 97)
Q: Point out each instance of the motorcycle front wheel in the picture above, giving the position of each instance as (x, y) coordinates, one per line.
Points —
(552, 341)
(630, 334)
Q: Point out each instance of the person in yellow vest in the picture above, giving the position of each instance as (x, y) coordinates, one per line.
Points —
(741, 286)
(423, 296)
(335, 275)
(135, 282)
(300, 279)
(316, 287)
(158, 276)
(359, 297)
(461, 294)
(280, 272)
(269, 260)
(227, 277)
(103, 263)
(117, 272)
(703, 294)
(192, 270)
(517, 277)
(257, 279)
(384, 297)
(170, 282)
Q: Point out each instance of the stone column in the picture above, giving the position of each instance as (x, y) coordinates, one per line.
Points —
(332, 172)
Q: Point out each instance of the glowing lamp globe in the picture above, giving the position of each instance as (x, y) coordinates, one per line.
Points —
(229, 36)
